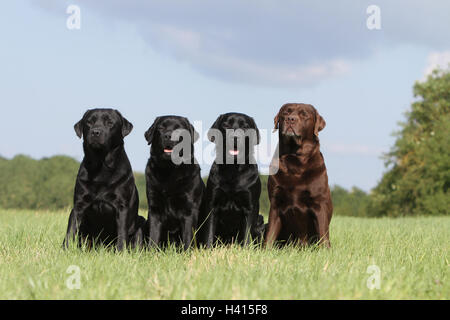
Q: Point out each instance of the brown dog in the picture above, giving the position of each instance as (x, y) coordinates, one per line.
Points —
(300, 198)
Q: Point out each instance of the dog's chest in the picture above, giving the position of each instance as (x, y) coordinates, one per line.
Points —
(100, 214)
(100, 193)
(293, 197)
(230, 200)
(173, 204)
(99, 201)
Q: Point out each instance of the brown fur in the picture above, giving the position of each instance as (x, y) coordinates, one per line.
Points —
(300, 198)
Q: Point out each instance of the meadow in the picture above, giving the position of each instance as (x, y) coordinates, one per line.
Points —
(411, 255)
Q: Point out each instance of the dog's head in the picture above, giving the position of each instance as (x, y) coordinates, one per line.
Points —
(102, 129)
(299, 121)
(235, 135)
(168, 131)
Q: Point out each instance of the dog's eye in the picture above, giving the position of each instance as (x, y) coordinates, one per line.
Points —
(110, 123)
(89, 122)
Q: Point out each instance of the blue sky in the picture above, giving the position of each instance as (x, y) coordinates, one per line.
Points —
(203, 58)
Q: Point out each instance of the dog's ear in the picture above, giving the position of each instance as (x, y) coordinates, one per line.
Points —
(127, 126)
(194, 134)
(215, 126)
(319, 124)
(254, 126)
(276, 121)
(79, 126)
(151, 131)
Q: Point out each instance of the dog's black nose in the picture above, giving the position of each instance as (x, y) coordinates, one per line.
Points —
(95, 132)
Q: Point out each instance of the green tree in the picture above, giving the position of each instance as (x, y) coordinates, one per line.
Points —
(139, 179)
(37, 184)
(349, 203)
(418, 176)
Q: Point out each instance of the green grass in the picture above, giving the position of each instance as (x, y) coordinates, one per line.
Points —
(412, 254)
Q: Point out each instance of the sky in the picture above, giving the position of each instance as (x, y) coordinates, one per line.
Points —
(199, 59)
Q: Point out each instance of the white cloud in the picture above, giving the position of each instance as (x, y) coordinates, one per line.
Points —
(193, 46)
(298, 43)
(435, 60)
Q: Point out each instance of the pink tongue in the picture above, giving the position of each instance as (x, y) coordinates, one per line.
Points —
(168, 150)
(234, 152)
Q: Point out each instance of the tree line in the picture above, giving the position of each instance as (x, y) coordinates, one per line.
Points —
(48, 183)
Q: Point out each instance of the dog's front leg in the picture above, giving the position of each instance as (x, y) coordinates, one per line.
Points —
(211, 226)
(122, 230)
(273, 227)
(249, 221)
(189, 224)
(321, 224)
(155, 228)
(72, 228)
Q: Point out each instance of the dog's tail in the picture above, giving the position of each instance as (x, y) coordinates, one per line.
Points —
(142, 223)
(259, 228)
(140, 234)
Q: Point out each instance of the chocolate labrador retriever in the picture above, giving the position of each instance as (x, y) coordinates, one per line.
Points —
(300, 199)
(174, 186)
(106, 200)
(231, 207)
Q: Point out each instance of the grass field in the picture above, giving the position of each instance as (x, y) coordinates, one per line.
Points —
(411, 254)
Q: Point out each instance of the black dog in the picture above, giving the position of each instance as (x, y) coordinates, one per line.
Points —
(106, 199)
(231, 206)
(174, 186)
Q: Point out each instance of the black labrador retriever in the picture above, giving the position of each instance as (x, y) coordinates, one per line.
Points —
(174, 185)
(231, 204)
(106, 200)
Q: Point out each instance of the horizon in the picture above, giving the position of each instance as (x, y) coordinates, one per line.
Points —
(201, 60)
